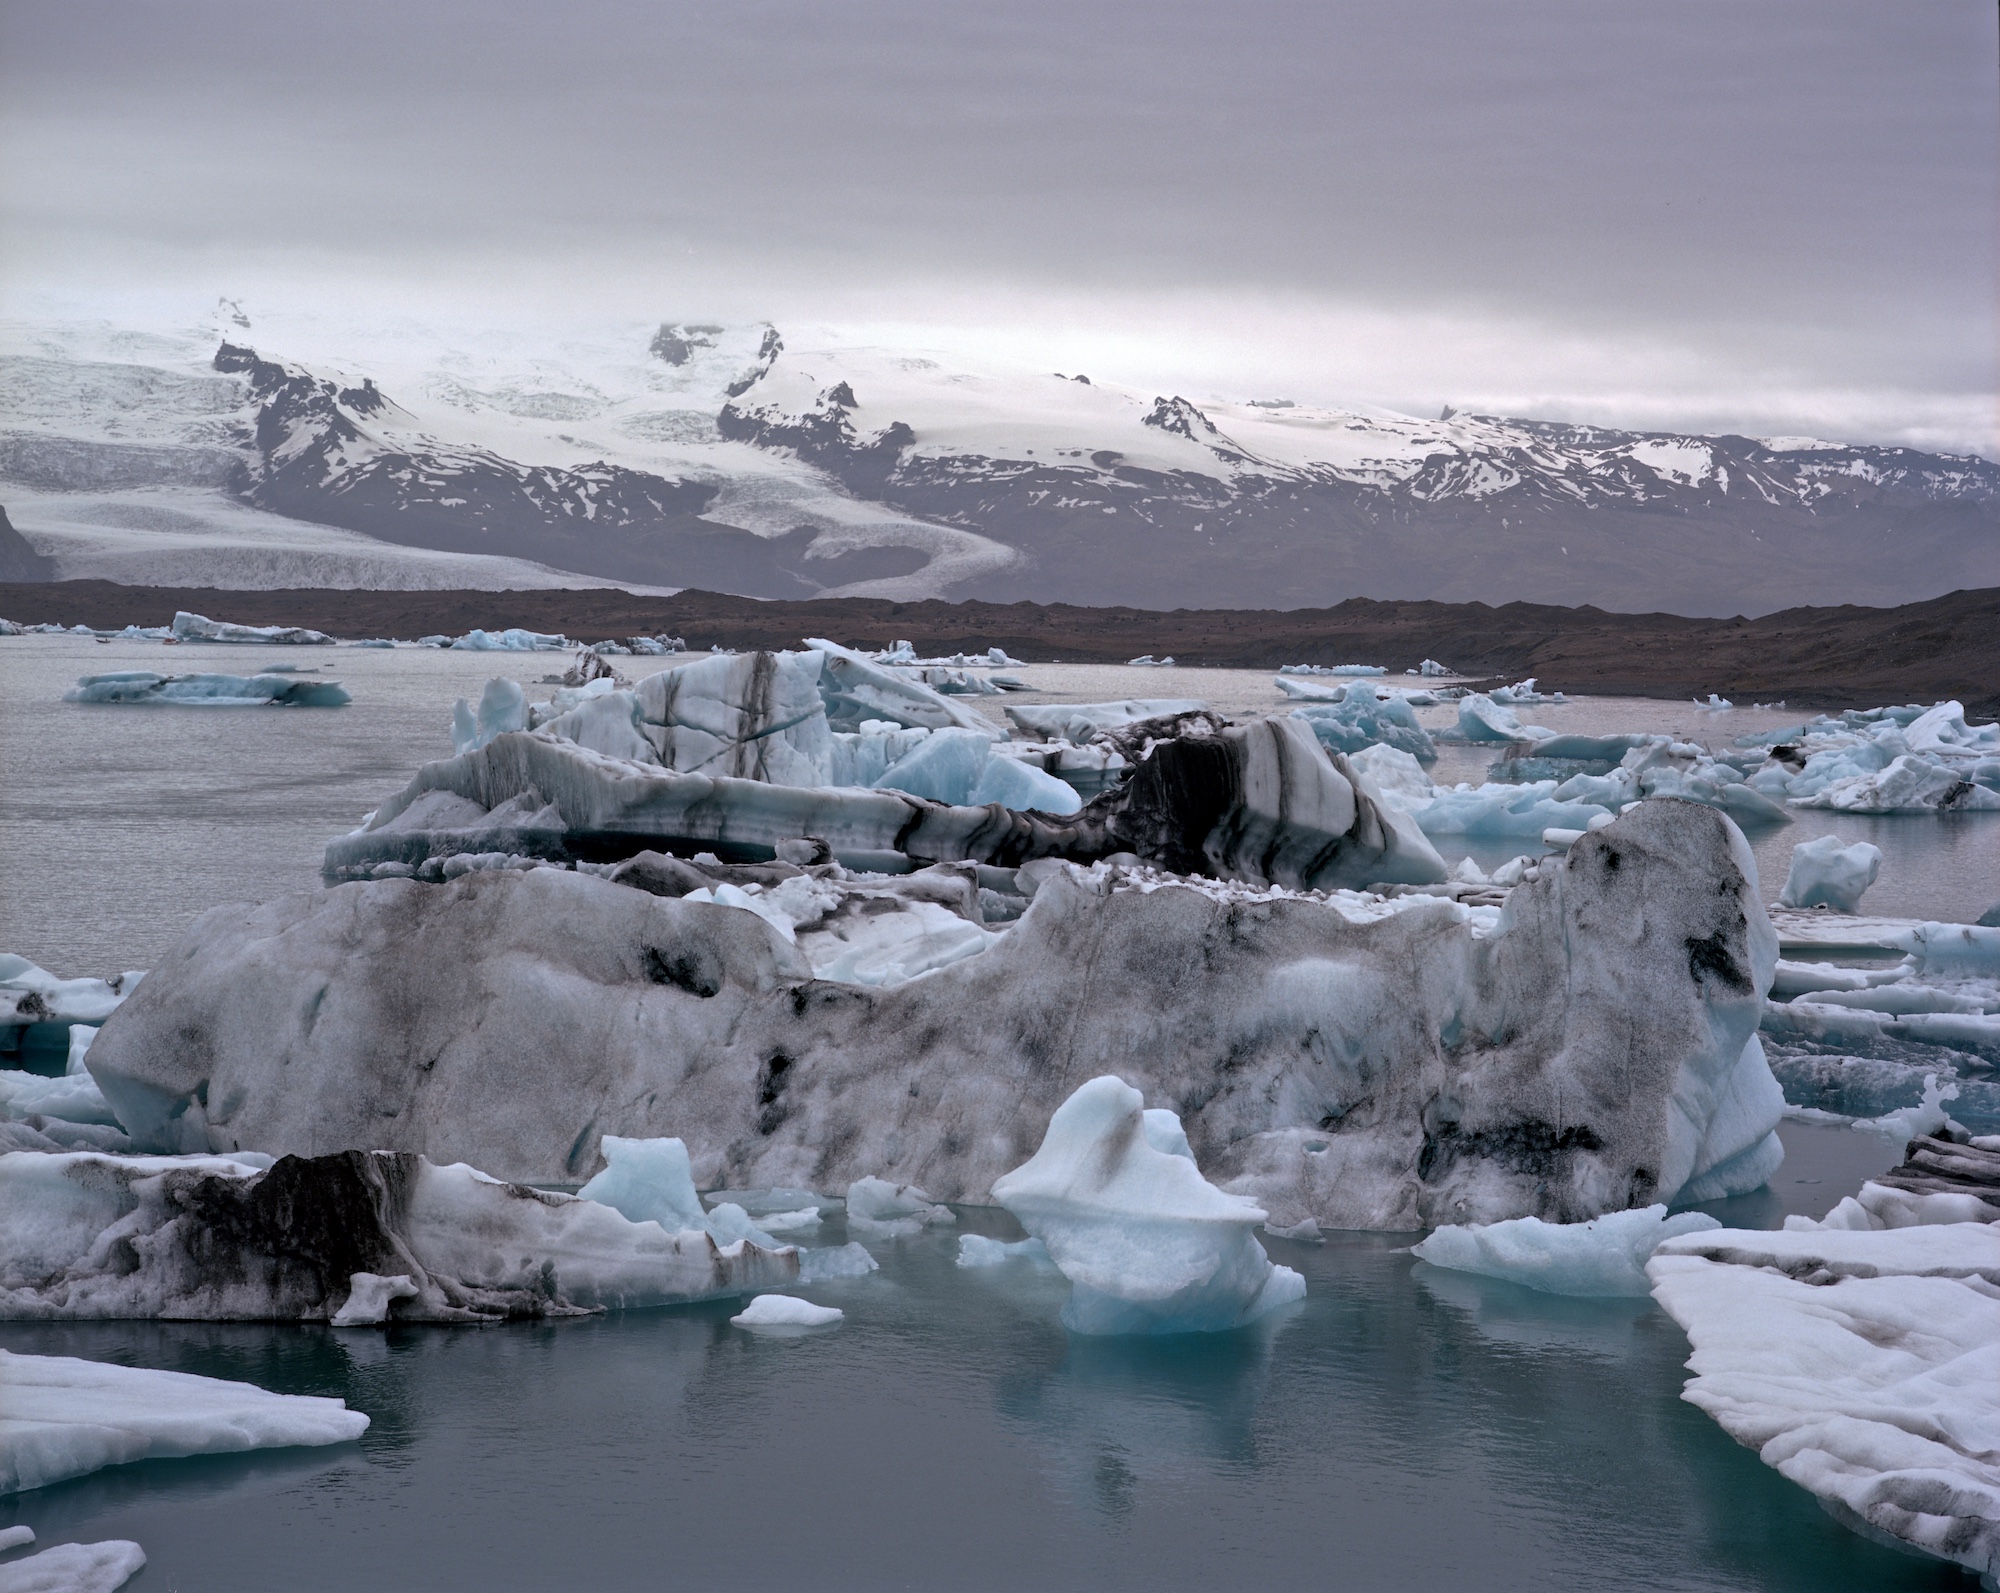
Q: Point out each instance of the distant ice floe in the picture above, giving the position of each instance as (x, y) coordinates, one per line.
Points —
(141, 688)
(199, 628)
(62, 1418)
(1147, 1243)
(1605, 1256)
(1910, 759)
(508, 641)
(1335, 669)
(1860, 1355)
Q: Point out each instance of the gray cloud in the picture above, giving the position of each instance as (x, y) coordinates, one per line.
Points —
(1719, 208)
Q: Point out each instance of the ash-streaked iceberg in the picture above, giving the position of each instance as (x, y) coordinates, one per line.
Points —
(1147, 1243)
(239, 1238)
(61, 1417)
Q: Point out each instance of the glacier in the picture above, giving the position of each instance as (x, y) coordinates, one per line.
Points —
(1147, 1243)
(61, 1417)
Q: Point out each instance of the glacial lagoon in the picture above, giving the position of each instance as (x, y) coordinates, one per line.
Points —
(1402, 1427)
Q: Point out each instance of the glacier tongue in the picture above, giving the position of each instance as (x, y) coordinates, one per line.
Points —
(1147, 1243)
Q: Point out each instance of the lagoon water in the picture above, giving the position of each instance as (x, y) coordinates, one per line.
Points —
(1402, 1428)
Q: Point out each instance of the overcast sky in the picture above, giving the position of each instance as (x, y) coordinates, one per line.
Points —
(1714, 214)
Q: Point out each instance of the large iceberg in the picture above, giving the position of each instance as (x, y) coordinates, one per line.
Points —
(1365, 1061)
(236, 1238)
(63, 1418)
(1863, 1364)
(142, 687)
(1605, 1256)
(1147, 1243)
(198, 628)
(513, 640)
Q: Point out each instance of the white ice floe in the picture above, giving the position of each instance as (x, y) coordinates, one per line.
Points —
(1605, 1256)
(198, 628)
(876, 1207)
(1482, 717)
(513, 640)
(62, 1418)
(1147, 1243)
(1862, 1365)
(75, 1568)
(785, 1310)
(1825, 873)
(976, 1250)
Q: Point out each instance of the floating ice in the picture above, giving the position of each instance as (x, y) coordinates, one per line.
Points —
(509, 641)
(1825, 873)
(75, 1568)
(1483, 718)
(876, 1206)
(850, 1260)
(1147, 1243)
(15, 1537)
(62, 1418)
(1883, 760)
(1862, 1365)
(960, 767)
(503, 706)
(1334, 669)
(140, 688)
(196, 628)
(652, 1180)
(1148, 661)
(369, 1297)
(976, 1250)
(785, 1310)
(1927, 1117)
(1081, 722)
(218, 1238)
(855, 688)
(1605, 1256)
(1361, 719)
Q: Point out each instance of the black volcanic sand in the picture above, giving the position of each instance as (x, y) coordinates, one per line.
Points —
(1811, 657)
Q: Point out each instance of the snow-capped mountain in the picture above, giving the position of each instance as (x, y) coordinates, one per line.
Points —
(693, 453)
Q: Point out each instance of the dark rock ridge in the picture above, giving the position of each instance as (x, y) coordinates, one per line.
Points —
(18, 559)
(1847, 657)
(1386, 1068)
(1557, 512)
(343, 456)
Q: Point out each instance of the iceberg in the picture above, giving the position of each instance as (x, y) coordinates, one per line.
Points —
(1366, 1060)
(198, 628)
(1362, 719)
(75, 1568)
(1081, 722)
(63, 1418)
(1862, 1365)
(1261, 802)
(1825, 873)
(961, 768)
(785, 1310)
(1605, 1256)
(503, 707)
(508, 641)
(876, 1206)
(140, 687)
(651, 1180)
(856, 688)
(239, 1238)
(1147, 1243)
(1907, 784)
(1484, 718)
